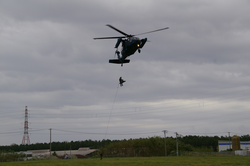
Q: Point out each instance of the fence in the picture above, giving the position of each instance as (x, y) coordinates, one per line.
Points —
(207, 153)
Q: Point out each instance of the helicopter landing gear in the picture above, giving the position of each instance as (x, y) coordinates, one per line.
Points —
(139, 50)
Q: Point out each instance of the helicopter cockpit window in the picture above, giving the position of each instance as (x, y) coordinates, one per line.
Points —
(133, 38)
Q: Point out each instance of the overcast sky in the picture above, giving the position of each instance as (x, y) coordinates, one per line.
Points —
(192, 78)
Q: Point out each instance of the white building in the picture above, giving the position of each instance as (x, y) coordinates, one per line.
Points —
(224, 145)
(46, 152)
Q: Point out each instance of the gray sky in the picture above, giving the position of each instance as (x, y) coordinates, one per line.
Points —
(192, 78)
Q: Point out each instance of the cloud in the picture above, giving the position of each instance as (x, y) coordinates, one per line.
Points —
(192, 78)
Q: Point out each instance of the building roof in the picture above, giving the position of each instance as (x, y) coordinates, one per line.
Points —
(80, 151)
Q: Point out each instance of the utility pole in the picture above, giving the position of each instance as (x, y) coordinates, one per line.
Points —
(177, 135)
(70, 150)
(176, 143)
(165, 131)
(229, 140)
(50, 142)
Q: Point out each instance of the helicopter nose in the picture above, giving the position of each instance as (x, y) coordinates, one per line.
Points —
(143, 41)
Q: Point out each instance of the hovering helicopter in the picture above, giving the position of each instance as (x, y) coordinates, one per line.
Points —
(130, 44)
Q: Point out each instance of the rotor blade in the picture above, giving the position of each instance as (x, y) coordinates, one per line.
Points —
(109, 37)
(117, 30)
(152, 31)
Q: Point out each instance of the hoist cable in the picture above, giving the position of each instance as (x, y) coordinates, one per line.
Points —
(111, 110)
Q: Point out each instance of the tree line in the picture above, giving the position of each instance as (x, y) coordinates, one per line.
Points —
(144, 147)
(140, 146)
(57, 146)
(209, 141)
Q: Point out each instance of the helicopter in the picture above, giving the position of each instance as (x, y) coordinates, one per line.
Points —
(130, 44)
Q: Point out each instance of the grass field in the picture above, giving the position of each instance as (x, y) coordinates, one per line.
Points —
(139, 161)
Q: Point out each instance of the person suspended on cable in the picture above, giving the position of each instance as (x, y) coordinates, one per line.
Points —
(121, 81)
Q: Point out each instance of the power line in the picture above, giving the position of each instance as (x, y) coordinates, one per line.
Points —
(118, 112)
(126, 113)
(129, 133)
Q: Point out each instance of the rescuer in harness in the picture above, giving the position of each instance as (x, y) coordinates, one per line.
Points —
(121, 81)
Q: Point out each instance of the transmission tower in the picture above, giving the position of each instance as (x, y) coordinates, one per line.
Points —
(26, 139)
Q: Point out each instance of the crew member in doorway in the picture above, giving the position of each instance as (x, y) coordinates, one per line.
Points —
(121, 81)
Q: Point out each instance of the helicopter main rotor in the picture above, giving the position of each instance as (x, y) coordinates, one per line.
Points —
(127, 35)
